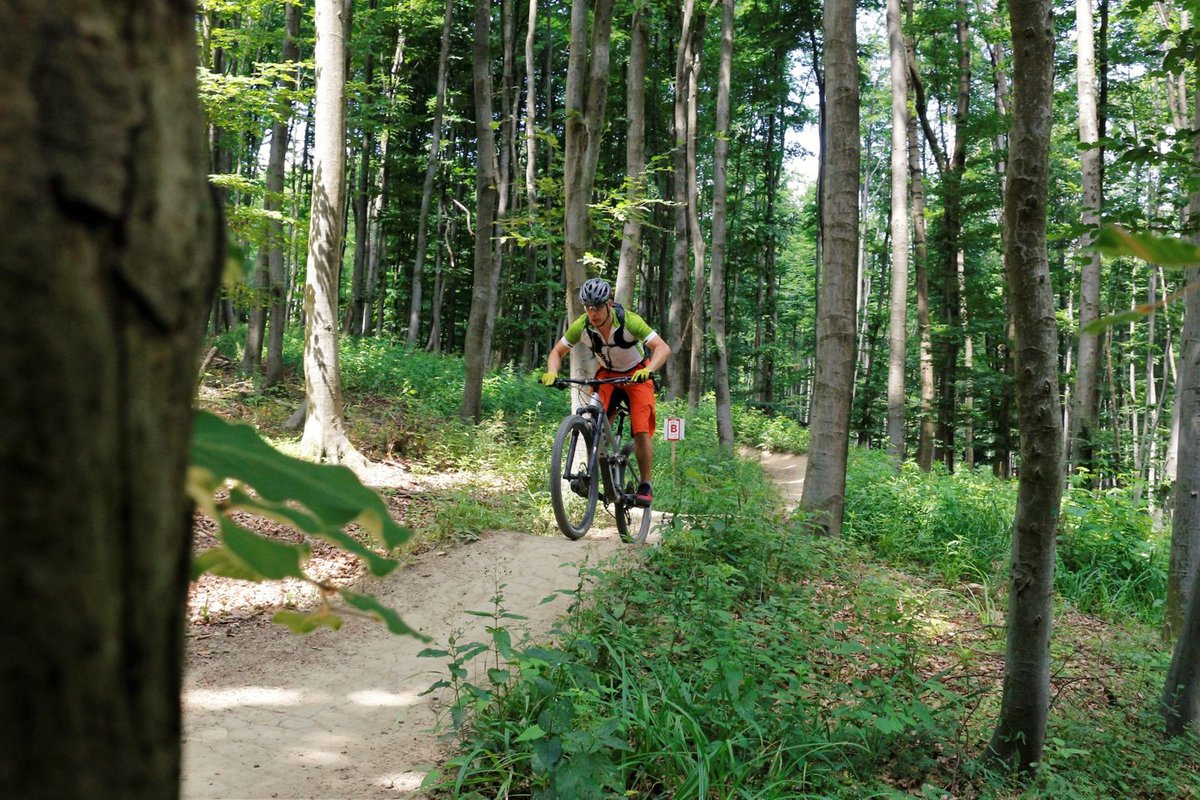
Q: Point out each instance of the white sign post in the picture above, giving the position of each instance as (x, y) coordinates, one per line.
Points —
(673, 432)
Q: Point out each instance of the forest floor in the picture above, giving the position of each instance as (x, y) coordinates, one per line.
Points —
(340, 714)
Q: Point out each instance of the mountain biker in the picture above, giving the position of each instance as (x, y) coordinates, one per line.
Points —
(618, 339)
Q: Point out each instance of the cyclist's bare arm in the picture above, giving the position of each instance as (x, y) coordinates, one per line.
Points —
(554, 360)
(660, 351)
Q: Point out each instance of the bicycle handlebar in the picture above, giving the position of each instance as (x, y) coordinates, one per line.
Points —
(562, 383)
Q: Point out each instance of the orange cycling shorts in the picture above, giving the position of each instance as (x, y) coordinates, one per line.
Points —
(641, 399)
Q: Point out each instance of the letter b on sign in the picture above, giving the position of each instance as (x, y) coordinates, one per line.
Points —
(674, 429)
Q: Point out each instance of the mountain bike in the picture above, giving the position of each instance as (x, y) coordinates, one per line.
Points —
(591, 460)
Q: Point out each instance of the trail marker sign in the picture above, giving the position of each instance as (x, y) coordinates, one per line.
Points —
(674, 429)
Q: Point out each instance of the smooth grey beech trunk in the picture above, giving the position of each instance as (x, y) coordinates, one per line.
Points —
(1085, 403)
(920, 239)
(1185, 525)
(635, 156)
(825, 477)
(898, 316)
(677, 328)
(1181, 692)
(586, 96)
(111, 245)
(1021, 730)
(717, 274)
(695, 350)
(486, 198)
(324, 426)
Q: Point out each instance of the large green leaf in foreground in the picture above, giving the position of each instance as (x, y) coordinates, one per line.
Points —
(332, 494)
(318, 499)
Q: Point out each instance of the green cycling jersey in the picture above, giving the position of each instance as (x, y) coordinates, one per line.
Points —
(621, 350)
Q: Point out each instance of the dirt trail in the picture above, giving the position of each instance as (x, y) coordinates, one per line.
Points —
(338, 714)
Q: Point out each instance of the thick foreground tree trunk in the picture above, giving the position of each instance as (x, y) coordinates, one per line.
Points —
(1181, 694)
(109, 241)
(1021, 731)
(825, 478)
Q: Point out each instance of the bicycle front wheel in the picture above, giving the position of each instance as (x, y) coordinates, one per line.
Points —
(572, 485)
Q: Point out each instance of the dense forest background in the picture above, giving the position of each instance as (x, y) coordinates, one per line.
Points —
(406, 267)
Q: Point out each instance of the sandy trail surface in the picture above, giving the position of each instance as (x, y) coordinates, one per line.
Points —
(339, 714)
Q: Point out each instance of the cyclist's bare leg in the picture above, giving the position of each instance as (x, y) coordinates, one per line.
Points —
(643, 447)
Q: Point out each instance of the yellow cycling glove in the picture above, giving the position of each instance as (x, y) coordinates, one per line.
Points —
(641, 375)
(548, 378)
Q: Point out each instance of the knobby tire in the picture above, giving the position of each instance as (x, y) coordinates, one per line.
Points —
(573, 513)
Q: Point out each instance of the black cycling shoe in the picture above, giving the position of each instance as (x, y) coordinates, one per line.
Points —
(644, 496)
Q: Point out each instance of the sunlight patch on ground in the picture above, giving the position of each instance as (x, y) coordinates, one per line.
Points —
(403, 782)
(221, 699)
(377, 698)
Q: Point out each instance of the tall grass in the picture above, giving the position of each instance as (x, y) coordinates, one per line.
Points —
(1110, 561)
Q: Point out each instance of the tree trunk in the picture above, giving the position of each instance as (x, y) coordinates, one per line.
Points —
(324, 428)
(587, 93)
(898, 316)
(677, 367)
(359, 303)
(505, 171)
(1085, 406)
(825, 478)
(104, 190)
(1021, 729)
(920, 237)
(1185, 525)
(477, 344)
(635, 156)
(968, 400)
(717, 276)
(273, 202)
(431, 166)
(695, 350)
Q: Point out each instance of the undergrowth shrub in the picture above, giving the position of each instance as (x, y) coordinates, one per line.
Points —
(959, 526)
(1111, 561)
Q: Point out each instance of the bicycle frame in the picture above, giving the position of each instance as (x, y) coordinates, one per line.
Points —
(605, 444)
(607, 449)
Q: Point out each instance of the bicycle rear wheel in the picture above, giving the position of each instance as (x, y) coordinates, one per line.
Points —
(572, 486)
(633, 522)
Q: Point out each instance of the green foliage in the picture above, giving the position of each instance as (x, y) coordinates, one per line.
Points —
(234, 471)
(958, 526)
(465, 514)
(676, 678)
(1110, 561)
(742, 658)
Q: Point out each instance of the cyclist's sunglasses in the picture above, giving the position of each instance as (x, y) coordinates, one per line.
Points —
(599, 307)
